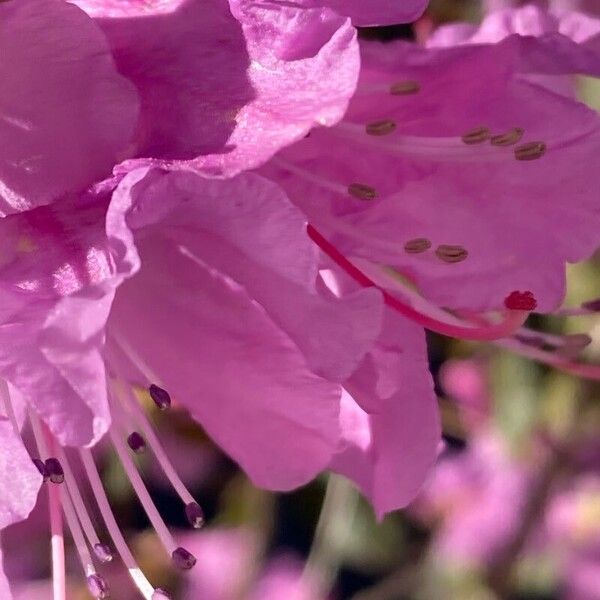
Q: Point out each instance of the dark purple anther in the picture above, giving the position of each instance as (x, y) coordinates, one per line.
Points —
(103, 553)
(183, 559)
(194, 514)
(41, 467)
(54, 470)
(98, 586)
(136, 442)
(160, 594)
(161, 397)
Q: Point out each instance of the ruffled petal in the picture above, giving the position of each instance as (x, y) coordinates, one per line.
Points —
(390, 450)
(61, 269)
(228, 84)
(66, 115)
(20, 478)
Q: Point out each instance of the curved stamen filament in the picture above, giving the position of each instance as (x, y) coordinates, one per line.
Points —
(126, 397)
(79, 505)
(510, 322)
(138, 577)
(142, 493)
(57, 542)
(311, 177)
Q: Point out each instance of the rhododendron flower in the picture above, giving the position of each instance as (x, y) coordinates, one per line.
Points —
(210, 289)
(66, 115)
(453, 170)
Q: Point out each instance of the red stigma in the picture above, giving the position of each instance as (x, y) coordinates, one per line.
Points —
(520, 301)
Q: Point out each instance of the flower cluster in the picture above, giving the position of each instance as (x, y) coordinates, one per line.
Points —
(237, 202)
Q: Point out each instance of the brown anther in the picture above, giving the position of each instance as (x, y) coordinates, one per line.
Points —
(362, 191)
(382, 127)
(509, 138)
(530, 151)
(417, 245)
(476, 136)
(403, 88)
(451, 254)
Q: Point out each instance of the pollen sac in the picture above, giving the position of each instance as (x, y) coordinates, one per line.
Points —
(41, 467)
(98, 586)
(476, 136)
(520, 301)
(136, 442)
(451, 254)
(161, 397)
(194, 514)
(362, 191)
(417, 246)
(183, 559)
(403, 88)
(382, 127)
(530, 151)
(160, 594)
(509, 138)
(54, 470)
(103, 553)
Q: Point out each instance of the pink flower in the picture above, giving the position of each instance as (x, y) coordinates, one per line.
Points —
(66, 115)
(453, 170)
(210, 289)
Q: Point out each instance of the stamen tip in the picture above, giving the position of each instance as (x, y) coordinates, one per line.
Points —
(54, 470)
(136, 442)
(194, 514)
(183, 559)
(103, 553)
(161, 397)
(520, 301)
(98, 586)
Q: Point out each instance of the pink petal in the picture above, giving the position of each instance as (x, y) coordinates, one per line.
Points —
(247, 229)
(20, 478)
(66, 114)
(58, 281)
(229, 83)
(220, 355)
(390, 451)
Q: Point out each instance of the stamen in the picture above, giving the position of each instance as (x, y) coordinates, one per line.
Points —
(509, 138)
(136, 442)
(445, 149)
(54, 470)
(161, 397)
(98, 586)
(530, 151)
(402, 88)
(362, 191)
(379, 128)
(476, 136)
(451, 254)
(417, 246)
(183, 559)
(125, 396)
(511, 321)
(138, 577)
(102, 551)
(326, 184)
(149, 507)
